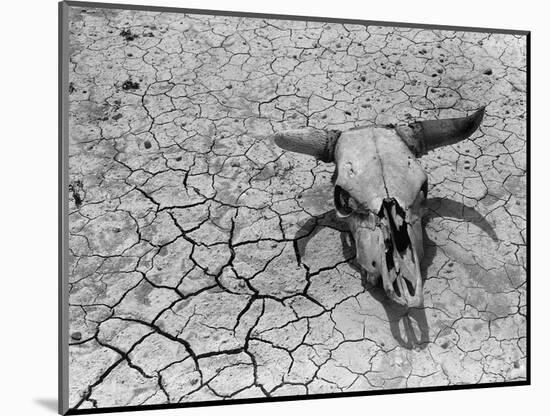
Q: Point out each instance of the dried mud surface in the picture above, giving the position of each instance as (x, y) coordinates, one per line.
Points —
(207, 264)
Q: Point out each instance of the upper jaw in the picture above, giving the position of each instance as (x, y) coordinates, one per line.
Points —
(395, 246)
(405, 298)
(401, 272)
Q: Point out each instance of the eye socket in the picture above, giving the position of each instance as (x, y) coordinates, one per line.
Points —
(344, 203)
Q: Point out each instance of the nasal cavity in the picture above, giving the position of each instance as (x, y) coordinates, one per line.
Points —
(396, 288)
(398, 226)
(410, 287)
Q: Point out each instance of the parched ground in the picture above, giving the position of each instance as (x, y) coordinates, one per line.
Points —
(207, 264)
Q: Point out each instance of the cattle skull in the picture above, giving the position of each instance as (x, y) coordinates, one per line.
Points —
(380, 189)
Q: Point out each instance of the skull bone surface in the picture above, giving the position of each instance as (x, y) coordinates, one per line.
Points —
(380, 189)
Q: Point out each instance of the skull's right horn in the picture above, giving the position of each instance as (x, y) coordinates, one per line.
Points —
(423, 136)
(311, 141)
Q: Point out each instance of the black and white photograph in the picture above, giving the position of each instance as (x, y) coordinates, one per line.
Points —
(244, 208)
(270, 207)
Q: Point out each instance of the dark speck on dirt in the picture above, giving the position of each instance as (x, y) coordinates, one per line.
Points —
(147, 144)
(127, 35)
(130, 85)
(488, 72)
(77, 336)
(76, 188)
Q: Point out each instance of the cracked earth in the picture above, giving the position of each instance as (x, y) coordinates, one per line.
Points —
(206, 263)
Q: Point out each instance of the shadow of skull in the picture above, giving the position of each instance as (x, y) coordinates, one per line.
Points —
(380, 189)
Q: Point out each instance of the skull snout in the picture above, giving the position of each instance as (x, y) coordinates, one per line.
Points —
(390, 247)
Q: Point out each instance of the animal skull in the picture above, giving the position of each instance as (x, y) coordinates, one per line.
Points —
(380, 189)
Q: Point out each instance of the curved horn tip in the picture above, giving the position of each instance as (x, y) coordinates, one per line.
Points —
(473, 122)
(431, 134)
(278, 138)
(308, 140)
(292, 138)
(477, 117)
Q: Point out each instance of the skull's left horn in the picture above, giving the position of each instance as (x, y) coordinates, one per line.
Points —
(423, 136)
(311, 141)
